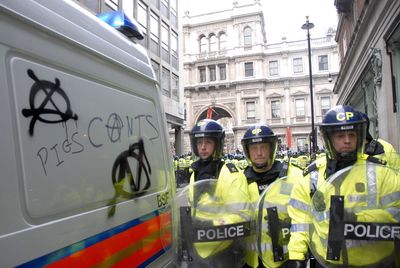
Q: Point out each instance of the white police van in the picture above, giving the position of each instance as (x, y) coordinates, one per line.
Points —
(86, 175)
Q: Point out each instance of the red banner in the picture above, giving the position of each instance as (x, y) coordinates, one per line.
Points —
(289, 137)
(209, 113)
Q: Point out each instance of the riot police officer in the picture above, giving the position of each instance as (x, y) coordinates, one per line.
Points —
(207, 142)
(260, 145)
(364, 188)
(222, 202)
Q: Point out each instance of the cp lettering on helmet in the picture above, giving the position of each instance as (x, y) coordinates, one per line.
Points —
(344, 116)
(256, 131)
(201, 123)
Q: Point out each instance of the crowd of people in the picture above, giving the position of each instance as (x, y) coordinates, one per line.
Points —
(339, 208)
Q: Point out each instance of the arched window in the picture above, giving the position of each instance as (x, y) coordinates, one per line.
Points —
(247, 36)
(213, 43)
(203, 44)
(222, 41)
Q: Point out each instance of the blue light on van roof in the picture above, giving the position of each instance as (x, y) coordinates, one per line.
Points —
(122, 23)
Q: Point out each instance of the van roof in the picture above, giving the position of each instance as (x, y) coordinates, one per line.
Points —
(76, 24)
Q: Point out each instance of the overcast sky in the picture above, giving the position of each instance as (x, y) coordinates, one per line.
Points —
(282, 17)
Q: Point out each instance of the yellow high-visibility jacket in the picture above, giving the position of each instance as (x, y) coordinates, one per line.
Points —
(378, 198)
(278, 195)
(231, 191)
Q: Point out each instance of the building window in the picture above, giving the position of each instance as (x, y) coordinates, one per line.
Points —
(213, 74)
(128, 8)
(175, 87)
(166, 88)
(222, 41)
(275, 109)
(213, 43)
(164, 8)
(165, 42)
(251, 110)
(323, 62)
(142, 19)
(203, 44)
(113, 4)
(174, 49)
(325, 104)
(344, 43)
(173, 18)
(297, 65)
(202, 74)
(156, 3)
(154, 30)
(222, 71)
(247, 36)
(156, 68)
(273, 67)
(248, 69)
(300, 111)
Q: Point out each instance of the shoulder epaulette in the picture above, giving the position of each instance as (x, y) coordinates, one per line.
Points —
(284, 170)
(376, 160)
(296, 165)
(309, 168)
(232, 168)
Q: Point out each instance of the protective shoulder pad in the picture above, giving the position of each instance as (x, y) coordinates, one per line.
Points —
(232, 168)
(374, 147)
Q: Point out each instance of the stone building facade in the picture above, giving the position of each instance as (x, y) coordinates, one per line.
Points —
(231, 69)
(368, 37)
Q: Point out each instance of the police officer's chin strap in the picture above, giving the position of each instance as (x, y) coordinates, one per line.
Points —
(261, 166)
(207, 160)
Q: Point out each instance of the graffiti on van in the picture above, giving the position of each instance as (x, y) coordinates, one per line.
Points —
(122, 173)
(115, 125)
(44, 111)
(95, 134)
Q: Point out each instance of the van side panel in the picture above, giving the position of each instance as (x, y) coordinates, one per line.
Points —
(86, 177)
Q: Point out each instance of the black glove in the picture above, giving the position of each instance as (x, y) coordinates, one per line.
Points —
(295, 264)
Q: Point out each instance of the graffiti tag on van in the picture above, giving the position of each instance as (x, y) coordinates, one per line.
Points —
(122, 165)
(122, 174)
(76, 141)
(115, 125)
(44, 111)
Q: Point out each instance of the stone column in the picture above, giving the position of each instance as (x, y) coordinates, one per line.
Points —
(179, 142)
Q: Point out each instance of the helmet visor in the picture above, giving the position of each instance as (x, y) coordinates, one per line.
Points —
(254, 149)
(344, 141)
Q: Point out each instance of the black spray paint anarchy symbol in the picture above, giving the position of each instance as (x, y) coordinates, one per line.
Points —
(122, 172)
(137, 152)
(49, 88)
